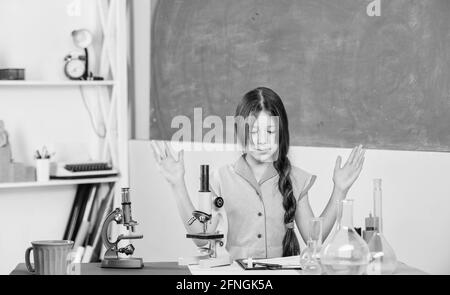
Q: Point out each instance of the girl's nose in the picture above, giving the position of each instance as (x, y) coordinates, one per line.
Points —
(262, 137)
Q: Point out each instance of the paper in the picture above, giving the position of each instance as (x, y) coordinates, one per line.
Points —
(236, 269)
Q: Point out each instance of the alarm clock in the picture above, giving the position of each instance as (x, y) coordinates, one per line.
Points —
(75, 67)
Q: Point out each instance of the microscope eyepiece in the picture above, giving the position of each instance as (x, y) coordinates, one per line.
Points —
(125, 195)
(204, 178)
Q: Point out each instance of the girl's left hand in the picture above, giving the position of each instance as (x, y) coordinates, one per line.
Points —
(345, 176)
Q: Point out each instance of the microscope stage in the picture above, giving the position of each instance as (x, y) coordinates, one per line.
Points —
(202, 236)
(122, 263)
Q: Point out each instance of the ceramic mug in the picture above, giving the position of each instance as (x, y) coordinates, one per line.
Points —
(50, 257)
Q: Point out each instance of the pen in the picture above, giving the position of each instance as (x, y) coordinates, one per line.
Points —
(45, 153)
(269, 265)
(38, 155)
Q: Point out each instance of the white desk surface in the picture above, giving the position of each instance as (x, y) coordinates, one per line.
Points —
(235, 269)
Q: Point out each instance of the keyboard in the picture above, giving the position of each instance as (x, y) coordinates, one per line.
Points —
(85, 167)
(81, 170)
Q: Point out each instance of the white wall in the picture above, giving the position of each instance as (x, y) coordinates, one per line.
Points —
(415, 200)
(141, 52)
(36, 35)
(28, 215)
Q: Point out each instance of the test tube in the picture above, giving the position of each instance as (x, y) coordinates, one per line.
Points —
(377, 204)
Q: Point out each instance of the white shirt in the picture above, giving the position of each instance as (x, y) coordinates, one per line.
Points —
(254, 209)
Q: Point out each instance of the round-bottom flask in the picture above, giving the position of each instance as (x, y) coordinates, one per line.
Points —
(346, 253)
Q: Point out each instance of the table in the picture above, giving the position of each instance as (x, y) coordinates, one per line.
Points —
(172, 268)
(150, 268)
(235, 269)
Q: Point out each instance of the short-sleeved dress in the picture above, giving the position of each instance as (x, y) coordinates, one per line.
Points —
(254, 209)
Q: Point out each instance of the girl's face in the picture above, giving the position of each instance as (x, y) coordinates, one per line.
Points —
(263, 141)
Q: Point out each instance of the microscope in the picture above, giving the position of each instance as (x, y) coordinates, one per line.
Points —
(123, 217)
(210, 213)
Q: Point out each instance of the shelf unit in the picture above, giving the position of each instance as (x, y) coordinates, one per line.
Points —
(56, 83)
(58, 182)
(112, 95)
(108, 100)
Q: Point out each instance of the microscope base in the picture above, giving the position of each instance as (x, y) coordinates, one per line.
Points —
(122, 263)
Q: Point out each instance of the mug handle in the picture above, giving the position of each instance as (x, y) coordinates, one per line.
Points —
(27, 260)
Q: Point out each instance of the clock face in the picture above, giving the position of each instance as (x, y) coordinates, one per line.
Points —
(74, 68)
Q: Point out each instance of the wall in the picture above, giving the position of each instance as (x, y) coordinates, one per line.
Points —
(414, 184)
(415, 200)
(34, 116)
(141, 51)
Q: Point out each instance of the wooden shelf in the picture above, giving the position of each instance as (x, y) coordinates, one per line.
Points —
(58, 182)
(5, 83)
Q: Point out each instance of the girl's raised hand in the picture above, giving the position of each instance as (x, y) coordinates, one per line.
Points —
(345, 176)
(171, 168)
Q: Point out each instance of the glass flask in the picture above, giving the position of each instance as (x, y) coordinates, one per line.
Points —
(346, 253)
(310, 256)
(314, 241)
(383, 259)
(309, 261)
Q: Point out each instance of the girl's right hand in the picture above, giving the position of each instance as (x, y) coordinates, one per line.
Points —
(171, 169)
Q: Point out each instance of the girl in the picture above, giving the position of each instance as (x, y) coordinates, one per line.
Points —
(265, 196)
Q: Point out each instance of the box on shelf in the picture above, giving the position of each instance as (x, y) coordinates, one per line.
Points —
(12, 74)
(10, 171)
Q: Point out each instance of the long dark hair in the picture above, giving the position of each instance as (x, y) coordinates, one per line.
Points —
(265, 99)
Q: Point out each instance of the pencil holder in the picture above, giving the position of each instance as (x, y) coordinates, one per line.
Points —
(42, 170)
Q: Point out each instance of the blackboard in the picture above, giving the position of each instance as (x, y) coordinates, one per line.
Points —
(345, 77)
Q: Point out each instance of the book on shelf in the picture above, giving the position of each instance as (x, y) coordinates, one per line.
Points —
(87, 255)
(91, 205)
(84, 203)
(78, 255)
(83, 230)
(80, 196)
(94, 242)
(100, 193)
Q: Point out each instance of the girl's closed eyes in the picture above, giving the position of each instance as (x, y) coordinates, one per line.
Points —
(263, 141)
